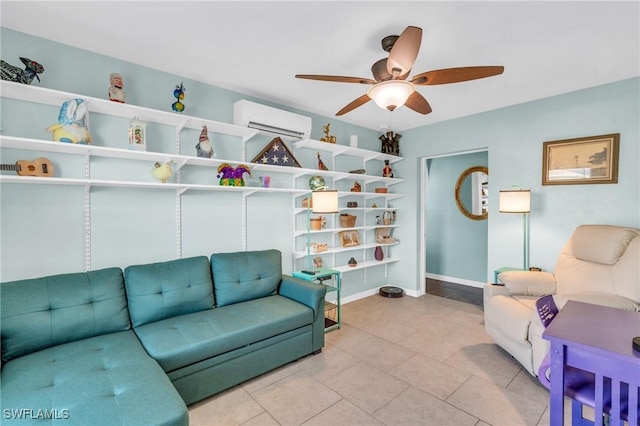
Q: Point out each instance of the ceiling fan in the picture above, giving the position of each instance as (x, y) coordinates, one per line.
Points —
(390, 87)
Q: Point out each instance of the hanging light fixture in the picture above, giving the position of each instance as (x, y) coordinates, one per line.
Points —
(391, 94)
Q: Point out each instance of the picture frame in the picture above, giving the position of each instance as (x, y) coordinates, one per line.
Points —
(349, 238)
(578, 161)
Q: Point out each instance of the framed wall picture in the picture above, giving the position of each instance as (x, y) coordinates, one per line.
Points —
(349, 238)
(577, 161)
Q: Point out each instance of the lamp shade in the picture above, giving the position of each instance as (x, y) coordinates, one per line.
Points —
(391, 94)
(324, 201)
(515, 201)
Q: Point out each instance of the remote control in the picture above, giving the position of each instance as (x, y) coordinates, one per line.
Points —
(309, 272)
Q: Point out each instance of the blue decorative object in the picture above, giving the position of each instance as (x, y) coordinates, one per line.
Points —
(19, 75)
(178, 93)
(71, 126)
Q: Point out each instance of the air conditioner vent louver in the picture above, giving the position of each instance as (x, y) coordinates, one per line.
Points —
(277, 130)
(272, 120)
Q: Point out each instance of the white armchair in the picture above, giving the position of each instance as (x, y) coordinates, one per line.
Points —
(599, 264)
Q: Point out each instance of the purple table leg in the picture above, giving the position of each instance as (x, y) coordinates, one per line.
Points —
(556, 398)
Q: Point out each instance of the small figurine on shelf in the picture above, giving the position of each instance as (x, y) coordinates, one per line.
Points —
(321, 165)
(317, 262)
(204, 148)
(356, 187)
(178, 93)
(116, 86)
(162, 171)
(71, 123)
(230, 176)
(387, 171)
(137, 135)
(352, 262)
(327, 138)
(390, 143)
(25, 76)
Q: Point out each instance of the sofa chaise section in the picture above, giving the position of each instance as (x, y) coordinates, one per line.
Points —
(69, 355)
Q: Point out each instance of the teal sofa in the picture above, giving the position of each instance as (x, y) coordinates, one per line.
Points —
(135, 347)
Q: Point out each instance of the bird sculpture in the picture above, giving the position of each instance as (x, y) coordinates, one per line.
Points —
(321, 165)
(178, 93)
(162, 171)
(70, 127)
(204, 148)
(25, 76)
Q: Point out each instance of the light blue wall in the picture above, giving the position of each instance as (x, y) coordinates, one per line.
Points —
(42, 226)
(456, 245)
(514, 138)
(42, 230)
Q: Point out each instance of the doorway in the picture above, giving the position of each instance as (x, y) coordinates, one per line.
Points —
(453, 247)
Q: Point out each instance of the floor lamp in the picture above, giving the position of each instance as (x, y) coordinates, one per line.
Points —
(322, 201)
(518, 201)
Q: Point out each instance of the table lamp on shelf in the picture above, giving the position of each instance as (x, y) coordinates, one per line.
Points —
(321, 201)
(518, 201)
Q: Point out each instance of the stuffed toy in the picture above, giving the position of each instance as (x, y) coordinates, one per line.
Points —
(71, 123)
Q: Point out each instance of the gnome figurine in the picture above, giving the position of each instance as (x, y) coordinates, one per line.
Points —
(204, 147)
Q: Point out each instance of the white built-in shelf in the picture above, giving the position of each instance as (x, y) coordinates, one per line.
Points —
(179, 187)
(40, 145)
(365, 264)
(41, 95)
(303, 253)
(336, 149)
(299, 232)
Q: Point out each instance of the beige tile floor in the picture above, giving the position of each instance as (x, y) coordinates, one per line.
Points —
(404, 361)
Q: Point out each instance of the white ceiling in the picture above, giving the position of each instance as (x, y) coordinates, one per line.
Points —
(547, 48)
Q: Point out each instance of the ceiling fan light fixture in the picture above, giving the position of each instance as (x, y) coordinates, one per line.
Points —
(391, 94)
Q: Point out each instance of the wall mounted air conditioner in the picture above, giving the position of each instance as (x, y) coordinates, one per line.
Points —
(273, 120)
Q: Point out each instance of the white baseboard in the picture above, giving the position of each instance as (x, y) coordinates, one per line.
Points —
(455, 280)
(373, 291)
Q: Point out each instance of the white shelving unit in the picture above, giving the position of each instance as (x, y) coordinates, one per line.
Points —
(364, 252)
(298, 176)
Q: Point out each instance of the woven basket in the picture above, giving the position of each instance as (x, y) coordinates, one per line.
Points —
(347, 220)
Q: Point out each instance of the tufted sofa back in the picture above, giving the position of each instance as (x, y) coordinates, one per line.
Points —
(600, 259)
(162, 290)
(245, 275)
(43, 312)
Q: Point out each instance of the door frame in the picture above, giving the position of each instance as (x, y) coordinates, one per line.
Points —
(424, 185)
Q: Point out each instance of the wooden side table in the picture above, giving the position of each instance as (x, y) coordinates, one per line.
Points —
(322, 275)
(596, 339)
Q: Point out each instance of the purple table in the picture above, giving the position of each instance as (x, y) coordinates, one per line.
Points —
(596, 339)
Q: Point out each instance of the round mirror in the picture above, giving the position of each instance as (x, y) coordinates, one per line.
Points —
(472, 191)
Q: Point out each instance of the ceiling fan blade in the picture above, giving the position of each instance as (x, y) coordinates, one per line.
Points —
(418, 103)
(336, 78)
(405, 51)
(456, 75)
(354, 104)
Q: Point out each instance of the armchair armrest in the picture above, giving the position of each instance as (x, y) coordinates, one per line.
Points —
(528, 283)
(305, 292)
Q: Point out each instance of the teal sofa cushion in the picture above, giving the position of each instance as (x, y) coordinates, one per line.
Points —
(247, 275)
(104, 380)
(43, 312)
(157, 291)
(180, 341)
